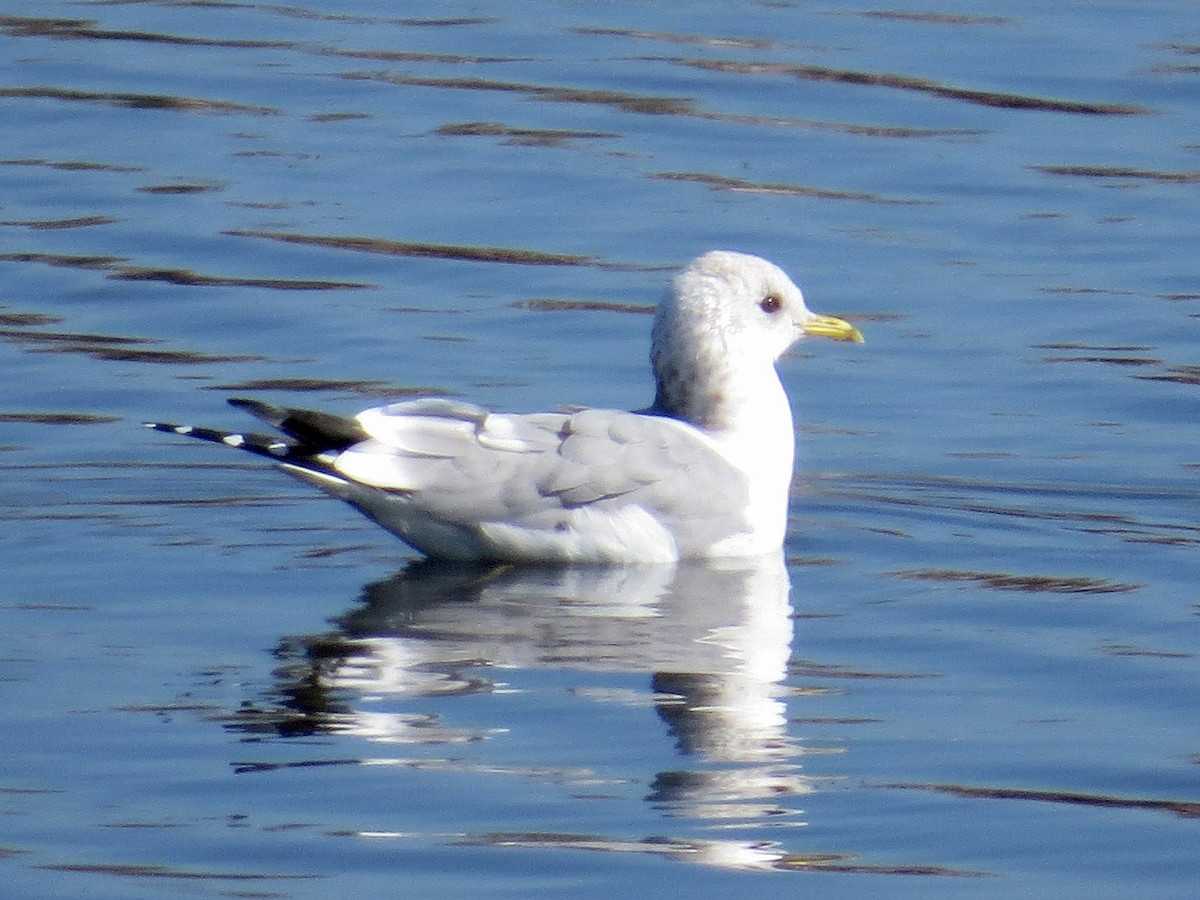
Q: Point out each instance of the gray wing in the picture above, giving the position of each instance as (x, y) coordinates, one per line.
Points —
(462, 465)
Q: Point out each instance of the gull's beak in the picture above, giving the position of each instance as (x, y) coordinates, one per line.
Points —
(830, 327)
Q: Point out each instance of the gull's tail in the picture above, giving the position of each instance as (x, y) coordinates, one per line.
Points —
(308, 435)
(308, 449)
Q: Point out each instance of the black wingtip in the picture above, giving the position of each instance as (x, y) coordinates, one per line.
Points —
(314, 431)
(256, 407)
(267, 445)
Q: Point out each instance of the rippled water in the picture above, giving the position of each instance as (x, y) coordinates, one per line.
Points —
(973, 675)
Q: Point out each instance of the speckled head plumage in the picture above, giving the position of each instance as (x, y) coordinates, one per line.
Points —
(729, 316)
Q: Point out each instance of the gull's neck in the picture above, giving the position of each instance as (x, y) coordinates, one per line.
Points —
(742, 407)
(747, 417)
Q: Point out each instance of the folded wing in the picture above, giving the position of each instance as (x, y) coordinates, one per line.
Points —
(553, 485)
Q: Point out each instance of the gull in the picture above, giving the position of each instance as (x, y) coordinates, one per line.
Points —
(702, 473)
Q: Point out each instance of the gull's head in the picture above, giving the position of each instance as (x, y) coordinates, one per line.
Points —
(728, 315)
(745, 304)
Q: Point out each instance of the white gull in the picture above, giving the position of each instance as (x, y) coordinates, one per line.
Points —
(704, 472)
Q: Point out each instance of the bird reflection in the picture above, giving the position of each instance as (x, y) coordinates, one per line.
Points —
(714, 639)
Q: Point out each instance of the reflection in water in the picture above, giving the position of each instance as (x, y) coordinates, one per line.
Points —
(714, 639)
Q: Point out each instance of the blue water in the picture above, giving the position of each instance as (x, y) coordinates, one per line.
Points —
(974, 675)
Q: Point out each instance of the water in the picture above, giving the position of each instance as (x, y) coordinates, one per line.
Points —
(975, 674)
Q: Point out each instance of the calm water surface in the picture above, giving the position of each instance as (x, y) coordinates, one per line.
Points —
(973, 672)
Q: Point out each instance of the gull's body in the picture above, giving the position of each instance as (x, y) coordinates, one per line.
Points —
(702, 473)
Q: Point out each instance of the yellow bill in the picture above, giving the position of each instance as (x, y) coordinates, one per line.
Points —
(832, 327)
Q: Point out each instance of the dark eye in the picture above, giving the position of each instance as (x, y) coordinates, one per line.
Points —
(771, 304)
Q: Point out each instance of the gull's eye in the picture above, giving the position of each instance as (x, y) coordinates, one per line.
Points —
(771, 304)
